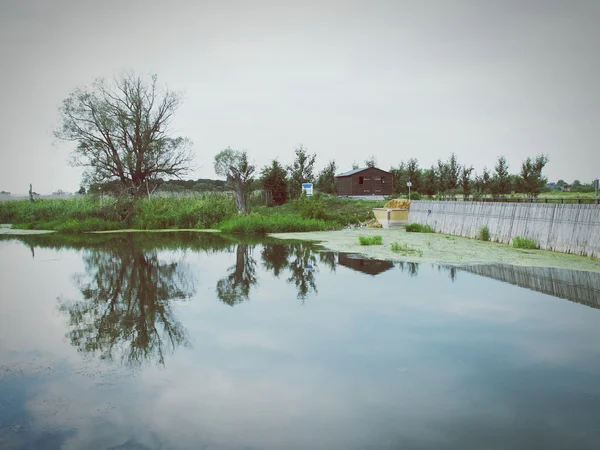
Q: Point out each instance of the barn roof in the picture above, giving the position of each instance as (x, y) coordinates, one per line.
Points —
(352, 172)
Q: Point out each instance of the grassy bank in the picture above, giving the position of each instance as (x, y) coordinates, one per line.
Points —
(96, 214)
(186, 212)
(319, 213)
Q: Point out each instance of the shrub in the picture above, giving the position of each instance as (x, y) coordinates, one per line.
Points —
(405, 250)
(522, 242)
(484, 234)
(370, 240)
(418, 228)
(415, 196)
(312, 207)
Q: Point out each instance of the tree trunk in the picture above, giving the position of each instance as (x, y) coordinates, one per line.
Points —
(240, 196)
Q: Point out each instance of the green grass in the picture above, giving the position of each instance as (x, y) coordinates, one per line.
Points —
(95, 214)
(484, 234)
(526, 243)
(406, 250)
(259, 224)
(560, 194)
(329, 208)
(370, 240)
(418, 228)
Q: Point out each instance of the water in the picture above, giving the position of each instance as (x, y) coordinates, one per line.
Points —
(200, 342)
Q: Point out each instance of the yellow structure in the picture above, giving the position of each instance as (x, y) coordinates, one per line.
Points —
(393, 214)
(391, 217)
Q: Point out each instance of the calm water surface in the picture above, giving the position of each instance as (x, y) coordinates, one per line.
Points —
(202, 342)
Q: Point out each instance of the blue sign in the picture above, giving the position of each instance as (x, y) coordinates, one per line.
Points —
(307, 188)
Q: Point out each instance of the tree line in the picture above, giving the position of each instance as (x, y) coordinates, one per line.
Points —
(125, 142)
(450, 178)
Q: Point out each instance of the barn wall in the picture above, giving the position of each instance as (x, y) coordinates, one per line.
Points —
(568, 228)
(344, 186)
(371, 186)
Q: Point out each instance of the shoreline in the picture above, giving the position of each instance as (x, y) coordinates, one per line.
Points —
(441, 249)
(434, 248)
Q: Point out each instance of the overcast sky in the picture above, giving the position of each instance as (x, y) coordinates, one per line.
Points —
(397, 79)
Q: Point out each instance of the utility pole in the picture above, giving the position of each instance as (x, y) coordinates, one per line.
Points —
(409, 184)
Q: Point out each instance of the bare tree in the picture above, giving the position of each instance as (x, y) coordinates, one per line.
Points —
(233, 164)
(123, 135)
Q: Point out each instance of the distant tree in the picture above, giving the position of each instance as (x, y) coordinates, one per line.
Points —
(500, 184)
(234, 165)
(514, 181)
(274, 179)
(465, 180)
(487, 181)
(443, 177)
(531, 180)
(171, 187)
(301, 171)
(453, 174)
(371, 161)
(429, 184)
(414, 174)
(355, 166)
(81, 190)
(483, 183)
(123, 135)
(561, 183)
(400, 175)
(326, 181)
(583, 187)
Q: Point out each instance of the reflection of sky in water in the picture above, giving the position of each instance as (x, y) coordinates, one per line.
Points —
(384, 361)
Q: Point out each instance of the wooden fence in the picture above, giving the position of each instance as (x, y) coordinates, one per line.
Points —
(565, 200)
(577, 286)
(564, 228)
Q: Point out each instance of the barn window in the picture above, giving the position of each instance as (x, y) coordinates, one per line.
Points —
(367, 179)
(360, 180)
(377, 178)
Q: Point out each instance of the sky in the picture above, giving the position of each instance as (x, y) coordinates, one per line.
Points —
(393, 79)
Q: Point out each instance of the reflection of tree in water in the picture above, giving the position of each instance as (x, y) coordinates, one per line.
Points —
(411, 267)
(451, 271)
(328, 259)
(298, 260)
(301, 257)
(275, 257)
(235, 287)
(126, 304)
